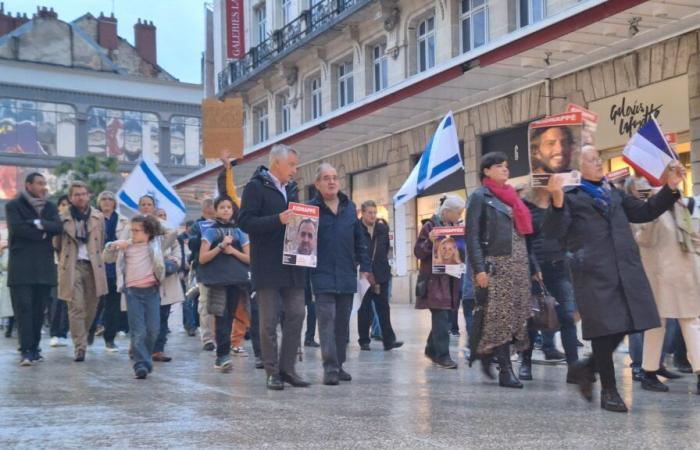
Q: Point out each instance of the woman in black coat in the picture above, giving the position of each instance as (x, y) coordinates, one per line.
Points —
(611, 289)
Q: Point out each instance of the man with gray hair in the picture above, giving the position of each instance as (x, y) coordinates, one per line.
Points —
(264, 215)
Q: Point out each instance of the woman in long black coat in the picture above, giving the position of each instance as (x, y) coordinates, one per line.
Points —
(611, 290)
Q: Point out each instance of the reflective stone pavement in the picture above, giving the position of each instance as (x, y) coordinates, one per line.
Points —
(397, 400)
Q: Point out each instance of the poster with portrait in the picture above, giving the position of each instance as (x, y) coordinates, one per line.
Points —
(301, 236)
(449, 251)
(590, 123)
(555, 146)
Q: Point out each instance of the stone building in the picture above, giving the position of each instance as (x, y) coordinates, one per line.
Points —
(362, 85)
(69, 89)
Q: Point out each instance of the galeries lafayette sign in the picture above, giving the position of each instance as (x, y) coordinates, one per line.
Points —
(235, 41)
(622, 115)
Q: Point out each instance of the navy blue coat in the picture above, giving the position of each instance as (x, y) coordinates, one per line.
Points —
(341, 246)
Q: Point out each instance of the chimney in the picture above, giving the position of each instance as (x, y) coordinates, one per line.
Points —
(7, 23)
(107, 32)
(45, 13)
(145, 38)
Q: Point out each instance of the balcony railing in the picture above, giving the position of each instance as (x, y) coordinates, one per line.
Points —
(321, 16)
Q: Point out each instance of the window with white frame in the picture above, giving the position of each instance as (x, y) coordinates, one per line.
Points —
(426, 44)
(261, 124)
(286, 11)
(316, 98)
(473, 24)
(284, 113)
(346, 88)
(380, 68)
(261, 23)
(531, 11)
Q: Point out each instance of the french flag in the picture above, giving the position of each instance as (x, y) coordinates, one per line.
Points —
(649, 153)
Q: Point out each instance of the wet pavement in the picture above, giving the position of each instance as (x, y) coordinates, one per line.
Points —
(396, 400)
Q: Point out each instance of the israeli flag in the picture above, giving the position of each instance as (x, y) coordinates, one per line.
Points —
(649, 153)
(440, 159)
(146, 179)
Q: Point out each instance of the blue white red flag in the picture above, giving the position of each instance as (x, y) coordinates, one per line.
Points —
(649, 153)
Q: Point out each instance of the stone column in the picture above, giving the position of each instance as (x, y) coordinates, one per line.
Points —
(694, 96)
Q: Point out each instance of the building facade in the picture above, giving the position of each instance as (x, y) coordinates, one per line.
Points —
(69, 89)
(362, 84)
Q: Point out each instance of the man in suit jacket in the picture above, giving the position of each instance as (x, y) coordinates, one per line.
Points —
(376, 233)
(32, 221)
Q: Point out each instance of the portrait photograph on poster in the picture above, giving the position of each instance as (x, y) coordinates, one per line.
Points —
(555, 146)
(449, 251)
(301, 236)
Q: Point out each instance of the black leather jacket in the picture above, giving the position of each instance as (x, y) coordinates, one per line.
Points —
(489, 230)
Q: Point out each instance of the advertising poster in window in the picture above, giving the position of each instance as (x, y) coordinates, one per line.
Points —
(301, 236)
(449, 251)
(555, 146)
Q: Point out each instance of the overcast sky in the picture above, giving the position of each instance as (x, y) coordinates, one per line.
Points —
(179, 24)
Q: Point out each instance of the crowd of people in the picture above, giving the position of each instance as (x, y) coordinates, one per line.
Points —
(624, 265)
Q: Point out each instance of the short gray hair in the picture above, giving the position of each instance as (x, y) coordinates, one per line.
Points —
(450, 202)
(321, 168)
(280, 151)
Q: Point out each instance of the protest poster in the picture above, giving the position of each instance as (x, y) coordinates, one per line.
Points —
(618, 175)
(449, 251)
(301, 236)
(555, 146)
(590, 123)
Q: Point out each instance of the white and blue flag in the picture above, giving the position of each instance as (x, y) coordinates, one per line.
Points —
(147, 179)
(649, 153)
(440, 159)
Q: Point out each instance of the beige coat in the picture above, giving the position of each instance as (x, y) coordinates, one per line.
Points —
(170, 288)
(674, 275)
(67, 248)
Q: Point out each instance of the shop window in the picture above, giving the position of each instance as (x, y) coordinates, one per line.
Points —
(37, 128)
(372, 185)
(124, 135)
(186, 141)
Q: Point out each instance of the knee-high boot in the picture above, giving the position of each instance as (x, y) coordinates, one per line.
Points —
(506, 377)
(525, 371)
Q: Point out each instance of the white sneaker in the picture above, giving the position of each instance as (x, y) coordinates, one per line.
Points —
(54, 342)
(239, 351)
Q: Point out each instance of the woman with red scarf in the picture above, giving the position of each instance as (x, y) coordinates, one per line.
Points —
(497, 225)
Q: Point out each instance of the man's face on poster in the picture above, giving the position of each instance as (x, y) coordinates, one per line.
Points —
(305, 238)
(554, 150)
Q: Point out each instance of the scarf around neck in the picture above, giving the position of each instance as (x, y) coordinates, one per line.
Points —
(81, 221)
(522, 218)
(37, 203)
(600, 192)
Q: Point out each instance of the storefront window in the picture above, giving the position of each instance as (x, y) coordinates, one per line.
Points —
(186, 141)
(12, 180)
(124, 135)
(372, 185)
(37, 128)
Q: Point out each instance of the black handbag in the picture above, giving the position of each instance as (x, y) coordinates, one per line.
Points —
(224, 270)
(544, 311)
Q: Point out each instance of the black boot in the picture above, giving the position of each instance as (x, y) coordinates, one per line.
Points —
(610, 400)
(651, 382)
(506, 377)
(486, 361)
(525, 372)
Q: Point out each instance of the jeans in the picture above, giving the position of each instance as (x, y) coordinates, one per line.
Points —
(271, 302)
(636, 347)
(190, 318)
(111, 314)
(143, 311)
(380, 301)
(468, 311)
(163, 332)
(333, 312)
(224, 323)
(557, 280)
(28, 303)
(59, 318)
(310, 316)
(438, 345)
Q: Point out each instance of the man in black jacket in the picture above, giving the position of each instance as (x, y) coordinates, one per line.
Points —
(264, 216)
(32, 222)
(377, 235)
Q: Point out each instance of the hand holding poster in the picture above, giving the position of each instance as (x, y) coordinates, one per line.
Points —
(449, 250)
(301, 235)
(555, 146)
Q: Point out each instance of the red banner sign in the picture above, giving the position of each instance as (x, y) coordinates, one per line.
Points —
(235, 41)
